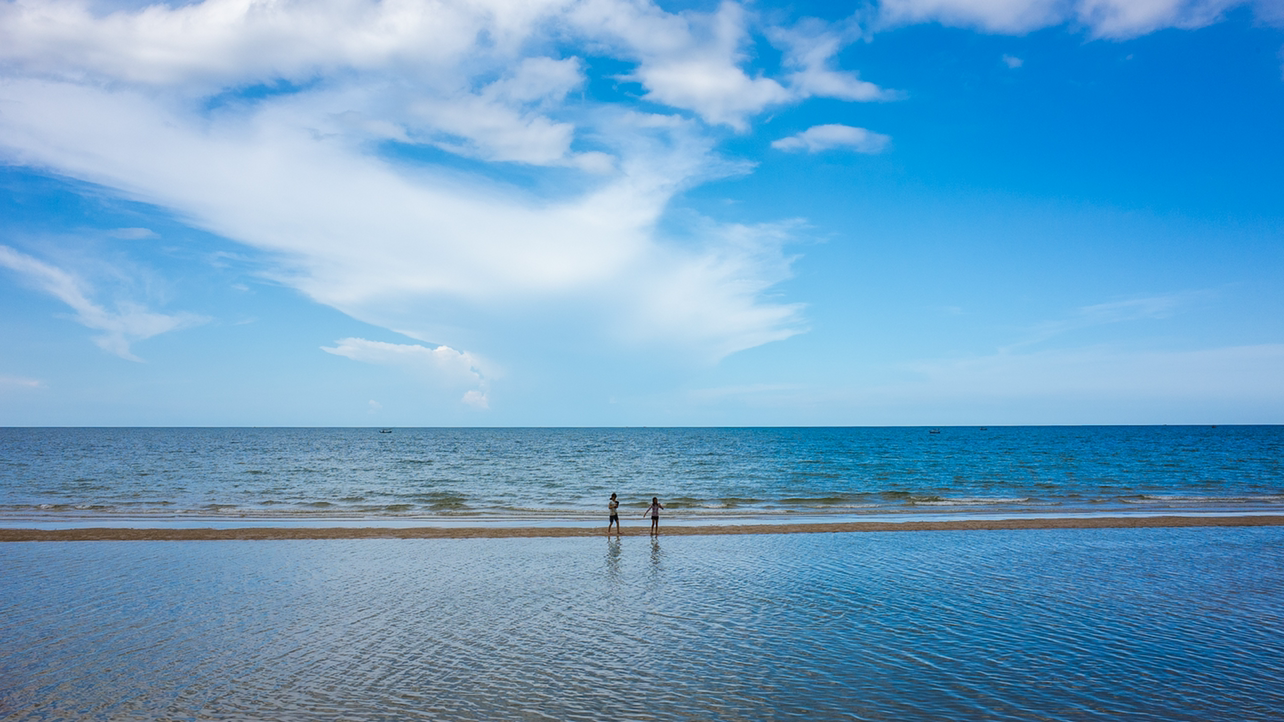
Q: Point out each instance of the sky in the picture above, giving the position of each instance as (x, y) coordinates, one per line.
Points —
(629, 213)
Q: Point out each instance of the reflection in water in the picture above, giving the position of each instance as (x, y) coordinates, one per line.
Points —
(613, 559)
(657, 556)
(1094, 624)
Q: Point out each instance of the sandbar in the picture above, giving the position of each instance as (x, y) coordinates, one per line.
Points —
(429, 532)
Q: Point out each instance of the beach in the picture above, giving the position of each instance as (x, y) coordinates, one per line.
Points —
(515, 532)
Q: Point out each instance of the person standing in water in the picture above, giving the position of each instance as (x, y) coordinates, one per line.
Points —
(654, 511)
(614, 506)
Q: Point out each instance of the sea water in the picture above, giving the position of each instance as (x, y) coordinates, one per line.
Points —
(1090, 624)
(91, 475)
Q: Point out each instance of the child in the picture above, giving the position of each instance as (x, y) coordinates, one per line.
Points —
(654, 511)
(613, 505)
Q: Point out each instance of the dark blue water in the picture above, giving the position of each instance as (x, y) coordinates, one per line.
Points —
(698, 473)
(1101, 624)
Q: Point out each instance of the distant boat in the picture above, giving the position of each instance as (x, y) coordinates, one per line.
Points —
(934, 431)
(985, 428)
(385, 431)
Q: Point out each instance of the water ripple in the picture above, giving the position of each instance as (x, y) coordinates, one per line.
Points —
(1163, 624)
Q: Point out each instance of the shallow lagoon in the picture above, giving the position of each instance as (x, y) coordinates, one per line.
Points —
(1068, 624)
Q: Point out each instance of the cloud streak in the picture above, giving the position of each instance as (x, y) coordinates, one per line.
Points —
(1101, 314)
(120, 327)
(442, 365)
(833, 136)
(1220, 374)
(1115, 19)
(18, 382)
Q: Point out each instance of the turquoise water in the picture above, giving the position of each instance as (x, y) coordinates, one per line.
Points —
(1139, 624)
(533, 474)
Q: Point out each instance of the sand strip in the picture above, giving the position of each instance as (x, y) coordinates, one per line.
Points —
(277, 533)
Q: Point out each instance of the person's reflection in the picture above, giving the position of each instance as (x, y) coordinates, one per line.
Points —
(656, 555)
(613, 559)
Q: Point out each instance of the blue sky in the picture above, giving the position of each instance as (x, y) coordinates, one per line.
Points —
(616, 212)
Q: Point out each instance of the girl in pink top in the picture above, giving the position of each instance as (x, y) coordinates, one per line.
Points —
(654, 511)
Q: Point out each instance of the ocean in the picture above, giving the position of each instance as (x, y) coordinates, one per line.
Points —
(1046, 624)
(74, 476)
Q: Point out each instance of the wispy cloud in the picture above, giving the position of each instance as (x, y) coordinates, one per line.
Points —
(18, 382)
(325, 171)
(442, 365)
(133, 234)
(1096, 384)
(1225, 374)
(1101, 314)
(828, 137)
(695, 61)
(809, 50)
(722, 393)
(1102, 18)
(126, 323)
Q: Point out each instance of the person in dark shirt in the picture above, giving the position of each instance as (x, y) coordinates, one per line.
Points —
(614, 506)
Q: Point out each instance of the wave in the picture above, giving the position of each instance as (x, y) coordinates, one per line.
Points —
(970, 501)
(447, 505)
(1201, 499)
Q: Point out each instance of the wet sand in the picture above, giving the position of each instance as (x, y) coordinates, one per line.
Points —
(290, 533)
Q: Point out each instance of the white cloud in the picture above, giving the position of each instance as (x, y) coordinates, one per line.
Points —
(18, 382)
(1224, 374)
(443, 364)
(1128, 18)
(133, 234)
(476, 399)
(810, 48)
(1010, 16)
(694, 61)
(1012, 61)
(722, 393)
(1100, 314)
(827, 137)
(365, 236)
(719, 91)
(708, 301)
(207, 46)
(503, 120)
(300, 167)
(1103, 18)
(127, 323)
(690, 60)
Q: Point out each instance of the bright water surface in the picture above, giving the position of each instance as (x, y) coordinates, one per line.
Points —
(444, 474)
(1101, 624)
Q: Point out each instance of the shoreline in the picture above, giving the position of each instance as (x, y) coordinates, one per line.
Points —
(322, 533)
